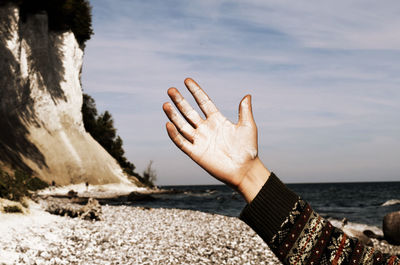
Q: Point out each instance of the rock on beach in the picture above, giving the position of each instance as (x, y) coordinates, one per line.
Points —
(391, 227)
(134, 235)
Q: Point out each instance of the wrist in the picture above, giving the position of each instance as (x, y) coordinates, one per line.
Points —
(254, 180)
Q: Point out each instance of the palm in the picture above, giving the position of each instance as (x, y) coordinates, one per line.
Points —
(220, 147)
(223, 148)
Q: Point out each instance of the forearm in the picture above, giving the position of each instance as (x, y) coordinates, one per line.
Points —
(298, 235)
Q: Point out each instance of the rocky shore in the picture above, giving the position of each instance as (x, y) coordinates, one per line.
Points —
(134, 235)
(131, 235)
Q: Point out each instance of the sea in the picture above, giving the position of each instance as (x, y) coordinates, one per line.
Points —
(362, 203)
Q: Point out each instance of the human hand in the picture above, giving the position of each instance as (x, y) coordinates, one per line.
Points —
(227, 151)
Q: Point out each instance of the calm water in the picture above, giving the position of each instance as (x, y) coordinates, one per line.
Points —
(358, 202)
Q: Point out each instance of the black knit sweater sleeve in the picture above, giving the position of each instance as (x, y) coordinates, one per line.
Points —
(298, 235)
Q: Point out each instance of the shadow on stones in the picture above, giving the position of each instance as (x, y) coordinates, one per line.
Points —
(17, 111)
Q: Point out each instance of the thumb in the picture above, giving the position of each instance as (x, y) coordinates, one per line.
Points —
(245, 111)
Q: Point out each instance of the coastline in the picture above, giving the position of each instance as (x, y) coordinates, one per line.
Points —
(131, 235)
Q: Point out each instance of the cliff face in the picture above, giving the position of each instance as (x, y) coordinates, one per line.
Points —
(41, 128)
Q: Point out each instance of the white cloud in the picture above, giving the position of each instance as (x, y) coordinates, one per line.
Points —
(330, 25)
(320, 73)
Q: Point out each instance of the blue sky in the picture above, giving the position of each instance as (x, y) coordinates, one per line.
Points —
(324, 78)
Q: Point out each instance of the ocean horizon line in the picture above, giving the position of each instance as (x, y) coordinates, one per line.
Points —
(289, 183)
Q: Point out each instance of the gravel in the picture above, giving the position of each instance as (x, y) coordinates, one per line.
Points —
(135, 235)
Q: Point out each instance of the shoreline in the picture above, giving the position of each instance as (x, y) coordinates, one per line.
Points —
(134, 235)
(131, 234)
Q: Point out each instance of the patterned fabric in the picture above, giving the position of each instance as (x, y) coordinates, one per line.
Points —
(286, 226)
(305, 238)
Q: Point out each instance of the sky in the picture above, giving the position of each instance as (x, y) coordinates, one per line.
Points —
(324, 76)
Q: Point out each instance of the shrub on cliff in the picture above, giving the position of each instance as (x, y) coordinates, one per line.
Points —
(149, 175)
(101, 127)
(74, 15)
(18, 186)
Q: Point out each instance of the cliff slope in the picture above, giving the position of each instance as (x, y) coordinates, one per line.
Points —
(41, 128)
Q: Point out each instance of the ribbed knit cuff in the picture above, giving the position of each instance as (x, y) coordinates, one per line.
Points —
(269, 208)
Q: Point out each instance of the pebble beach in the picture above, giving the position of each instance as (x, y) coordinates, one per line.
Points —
(131, 235)
(127, 234)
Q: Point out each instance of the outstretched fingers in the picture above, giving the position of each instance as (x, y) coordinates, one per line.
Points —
(180, 123)
(178, 139)
(202, 99)
(184, 107)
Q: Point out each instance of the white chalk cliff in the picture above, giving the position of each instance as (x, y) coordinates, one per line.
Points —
(41, 127)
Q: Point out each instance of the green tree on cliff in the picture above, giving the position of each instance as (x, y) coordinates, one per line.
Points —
(74, 15)
(89, 113)
(102, 129)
